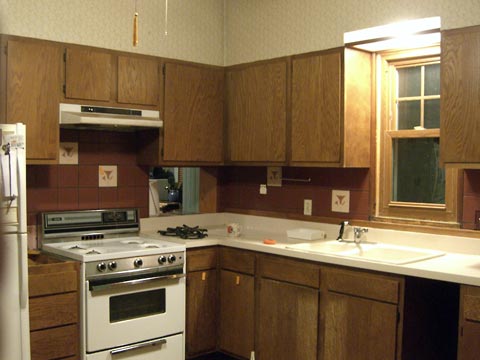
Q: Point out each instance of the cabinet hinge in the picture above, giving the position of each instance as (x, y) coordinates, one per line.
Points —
(65, 56)
(6, 50)
(64, 88)
(163, 69)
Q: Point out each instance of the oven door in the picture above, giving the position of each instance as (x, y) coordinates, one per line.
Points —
(168, 348)
(130, 311)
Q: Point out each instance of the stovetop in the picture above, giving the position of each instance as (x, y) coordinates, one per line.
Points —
(106, 249)
(185, 232)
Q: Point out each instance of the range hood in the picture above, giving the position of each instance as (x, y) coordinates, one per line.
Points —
(108, 118)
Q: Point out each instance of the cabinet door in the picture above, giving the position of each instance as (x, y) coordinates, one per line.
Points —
(201, 331)
(88, 74)
(357, 328)
(33, 93)
(316, 108)
(193, 123)
(236, 313)
(287, 321)
(138, 80)
(257, 98)
(460, 91)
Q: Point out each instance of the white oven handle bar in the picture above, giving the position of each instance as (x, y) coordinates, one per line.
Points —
(138, 346)
(116, 285)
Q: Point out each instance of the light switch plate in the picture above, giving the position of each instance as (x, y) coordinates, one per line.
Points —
(341, 201)
(274, 176)
(263, 189)
(307, 207)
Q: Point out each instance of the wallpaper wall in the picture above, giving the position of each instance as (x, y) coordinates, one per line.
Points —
(195, 27)
(263, 29)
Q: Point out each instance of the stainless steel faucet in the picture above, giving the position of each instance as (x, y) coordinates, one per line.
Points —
(357, 233)
(342, 229)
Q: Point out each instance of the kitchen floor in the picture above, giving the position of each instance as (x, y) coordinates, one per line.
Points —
(215, 356)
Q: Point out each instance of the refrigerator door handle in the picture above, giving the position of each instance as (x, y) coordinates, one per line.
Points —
(23, 259)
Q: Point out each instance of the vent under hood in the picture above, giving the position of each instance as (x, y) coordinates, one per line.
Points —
(108, 118)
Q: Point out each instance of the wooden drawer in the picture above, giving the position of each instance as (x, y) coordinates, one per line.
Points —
(285, 269)
(237, 260)
(471, 302)
(202, 259)
(52, 278)
(362, 284)
(53, 310)
(61, 342)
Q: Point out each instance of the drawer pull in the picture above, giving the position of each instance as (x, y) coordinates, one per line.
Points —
(204, 276)
(138, 346)
(237, 280)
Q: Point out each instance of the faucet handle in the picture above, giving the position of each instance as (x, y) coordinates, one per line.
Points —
(358, 231)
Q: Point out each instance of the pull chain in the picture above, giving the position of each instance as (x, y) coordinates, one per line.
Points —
(166, 17)
(135, 26)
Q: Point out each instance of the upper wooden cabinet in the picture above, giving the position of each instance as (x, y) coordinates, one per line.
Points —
(257, 112)
(460, 91)
(33, 88)
(331, 109)
(193, 120)
(138, 80)
(88, 74)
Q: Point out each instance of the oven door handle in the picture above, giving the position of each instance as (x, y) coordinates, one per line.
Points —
(138, 346)
(148, 280)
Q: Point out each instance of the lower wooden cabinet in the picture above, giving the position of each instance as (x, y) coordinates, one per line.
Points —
(469, 323)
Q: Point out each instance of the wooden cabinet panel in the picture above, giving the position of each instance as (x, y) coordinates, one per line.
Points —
(55, 283)
(287, 321)
(331, 108)
(289, 270)
(257, 100)
(202, 259)
(460, 91)
(469, 323)
(357, 328)
(237, 260)
(193, 121)
(201, 329)
(56, 343)
(54, 310)
(138, 80)
(237, 310)
(33, 92)
(88, 74)
(469, 346)
(362, 284)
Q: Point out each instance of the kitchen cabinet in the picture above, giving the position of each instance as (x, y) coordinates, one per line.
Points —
(237, 302)
(201, 302)
(460, 91)
(32, 89)
(469, 323)
(193, 120)
(331, 109)
(138, 80)
(257, 112)
(358, 309)
(88, 74)
(53, 308)
(288, 309)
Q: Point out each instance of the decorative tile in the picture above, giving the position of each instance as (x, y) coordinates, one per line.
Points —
(341, 201)
(68, 153)
(107, 176)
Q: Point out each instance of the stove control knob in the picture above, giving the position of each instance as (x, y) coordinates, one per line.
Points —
(101, 266)
(138, 263)
(162, 259)
(112, 265)
(172, 258)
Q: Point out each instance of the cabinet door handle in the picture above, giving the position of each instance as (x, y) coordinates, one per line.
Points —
(237, 280)
(204, 276)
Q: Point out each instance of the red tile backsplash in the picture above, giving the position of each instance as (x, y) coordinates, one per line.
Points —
(70, 187)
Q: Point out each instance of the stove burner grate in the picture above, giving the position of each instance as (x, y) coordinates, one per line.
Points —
(93, 252)
(185, 232)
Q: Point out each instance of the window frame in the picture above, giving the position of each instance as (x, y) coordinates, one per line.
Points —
(394, 211)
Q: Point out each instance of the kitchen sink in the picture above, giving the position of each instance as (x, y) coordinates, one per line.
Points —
(376, 252)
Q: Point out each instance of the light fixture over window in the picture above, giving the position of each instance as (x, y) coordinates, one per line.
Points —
(402, 35)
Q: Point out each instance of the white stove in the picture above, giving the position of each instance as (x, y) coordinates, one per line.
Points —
(133, 292)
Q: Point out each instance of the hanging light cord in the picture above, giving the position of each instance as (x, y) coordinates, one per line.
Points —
(166, 17)
(135, 26)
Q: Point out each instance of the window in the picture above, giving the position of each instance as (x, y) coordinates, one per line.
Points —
(411, 184)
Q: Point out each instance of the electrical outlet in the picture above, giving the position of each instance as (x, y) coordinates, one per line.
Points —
(263, 189)
(274, 176)
(341, 201)
(307, 207)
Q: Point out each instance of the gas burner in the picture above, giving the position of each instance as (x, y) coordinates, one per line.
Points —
(76, 247)
(93, 252)
(151, 246)
(185, 232)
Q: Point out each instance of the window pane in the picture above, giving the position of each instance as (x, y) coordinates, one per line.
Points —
(408, 114)
(416, 175)
(432, 114)
(432, 79)
(409, 81)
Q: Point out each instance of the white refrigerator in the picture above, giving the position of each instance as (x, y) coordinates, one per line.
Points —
(14, 319)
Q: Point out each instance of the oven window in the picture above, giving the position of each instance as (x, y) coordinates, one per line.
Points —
(137, 305)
